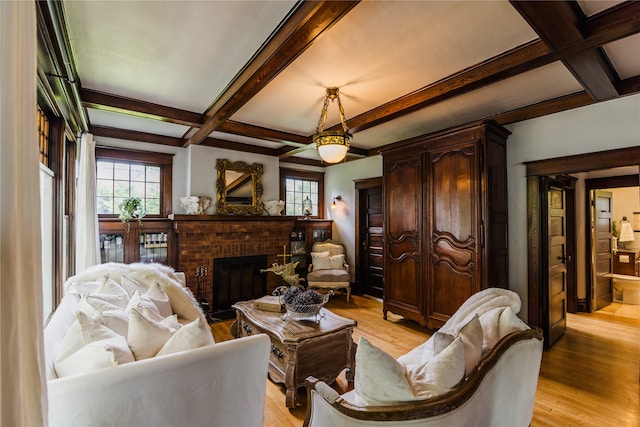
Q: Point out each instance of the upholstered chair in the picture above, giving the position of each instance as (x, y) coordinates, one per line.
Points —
(328, 268)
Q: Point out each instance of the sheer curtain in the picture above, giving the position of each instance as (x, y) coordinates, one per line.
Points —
(87, 243)
(22, 386)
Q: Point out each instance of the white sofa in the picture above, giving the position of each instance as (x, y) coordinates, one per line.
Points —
(499, 391)
(221, 384)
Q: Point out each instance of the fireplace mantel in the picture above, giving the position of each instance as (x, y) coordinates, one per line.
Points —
(178, 217)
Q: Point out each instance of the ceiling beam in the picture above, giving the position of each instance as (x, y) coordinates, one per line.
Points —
(148, 110)
(557, 23)
(298, 32)
(251, 131)
(132, 135)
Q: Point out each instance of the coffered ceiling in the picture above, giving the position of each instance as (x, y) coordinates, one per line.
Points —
(251, 75)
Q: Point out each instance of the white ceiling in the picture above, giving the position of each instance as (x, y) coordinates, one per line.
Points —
(185, 54)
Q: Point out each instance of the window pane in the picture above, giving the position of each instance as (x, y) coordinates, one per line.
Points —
(298, 186)
(153, 190)
(306, 186)
(314, 187)
(314, 204)
(137, 189)
(121, 171)
(105, 170)
(289, 184)
(105, 187)
(137, 173)
(153, 174)
(152, 206)
(105, 205)
(121, 189)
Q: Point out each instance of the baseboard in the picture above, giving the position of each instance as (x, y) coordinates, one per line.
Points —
(582, 305)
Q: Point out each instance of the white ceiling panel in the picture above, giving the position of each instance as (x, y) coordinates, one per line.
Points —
(176, 53)
(626, 65)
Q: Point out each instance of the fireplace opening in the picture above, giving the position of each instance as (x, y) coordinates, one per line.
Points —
(237, 279)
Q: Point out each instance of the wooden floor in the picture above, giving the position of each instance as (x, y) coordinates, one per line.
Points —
(591, 376)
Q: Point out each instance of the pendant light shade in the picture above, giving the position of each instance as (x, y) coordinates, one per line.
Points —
(332, 144)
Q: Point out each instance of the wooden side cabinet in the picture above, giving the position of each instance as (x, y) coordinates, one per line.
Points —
(303, 235)
(153, 242)
(627, 262)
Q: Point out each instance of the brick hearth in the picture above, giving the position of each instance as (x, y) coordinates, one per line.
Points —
(202, 238)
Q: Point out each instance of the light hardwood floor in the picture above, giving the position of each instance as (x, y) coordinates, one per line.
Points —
(591, 376)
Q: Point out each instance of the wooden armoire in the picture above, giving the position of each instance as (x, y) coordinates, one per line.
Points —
(445, 197)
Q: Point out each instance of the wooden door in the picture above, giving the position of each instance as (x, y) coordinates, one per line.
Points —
(602, 293)
(453, 270)
(403, 268)
(371, 239)
(557, 259)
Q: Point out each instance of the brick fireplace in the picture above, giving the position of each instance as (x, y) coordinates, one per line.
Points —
(203, 238)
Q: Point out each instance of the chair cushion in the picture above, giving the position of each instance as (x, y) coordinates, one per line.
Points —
(328, 276)
(320, 260)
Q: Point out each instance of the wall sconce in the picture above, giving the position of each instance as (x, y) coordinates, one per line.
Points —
(334, 205)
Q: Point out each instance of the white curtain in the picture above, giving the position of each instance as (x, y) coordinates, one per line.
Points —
(87, 242)
(23, 393)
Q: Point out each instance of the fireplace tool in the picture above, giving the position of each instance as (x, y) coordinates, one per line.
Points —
(201, 279)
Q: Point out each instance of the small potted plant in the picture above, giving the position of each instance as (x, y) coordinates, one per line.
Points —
(131, 208)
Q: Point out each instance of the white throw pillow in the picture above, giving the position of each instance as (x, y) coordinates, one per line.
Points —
(91, 306)
(116, 320)
(379, 378)
(131, 285)
(320, 260)
(471, 335)
(192, 335)
(160, 299)
(83, 331)
(112, 293)
(146, 337)
(141, 301)
(440, 374)
(336, 261)
(101, 354)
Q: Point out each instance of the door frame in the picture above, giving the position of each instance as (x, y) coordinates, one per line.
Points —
(557, 166)
(360, 186)
(598, 184)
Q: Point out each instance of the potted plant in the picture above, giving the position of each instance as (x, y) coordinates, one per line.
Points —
(131, 208)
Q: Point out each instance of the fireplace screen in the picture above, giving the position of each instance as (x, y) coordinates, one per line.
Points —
(237, 279)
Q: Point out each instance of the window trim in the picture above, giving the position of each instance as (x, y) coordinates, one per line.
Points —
(164, 161)
(306, 175)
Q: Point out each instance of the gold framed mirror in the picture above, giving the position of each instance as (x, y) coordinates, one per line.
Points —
(239, 188)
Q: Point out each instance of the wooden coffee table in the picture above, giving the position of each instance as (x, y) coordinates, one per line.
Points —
(300, 348)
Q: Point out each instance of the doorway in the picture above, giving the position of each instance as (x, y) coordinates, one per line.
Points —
(538, 244)
(369, 237)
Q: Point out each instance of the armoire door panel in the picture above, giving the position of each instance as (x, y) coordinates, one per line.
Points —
(453, 190)
(403, 207)
(450, 289)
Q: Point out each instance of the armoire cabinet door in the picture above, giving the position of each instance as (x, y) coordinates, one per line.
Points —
(453, 226)
(403, 271)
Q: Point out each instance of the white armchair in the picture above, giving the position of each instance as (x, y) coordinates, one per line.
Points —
(328, 268)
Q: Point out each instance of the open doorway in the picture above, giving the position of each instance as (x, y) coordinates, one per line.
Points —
(617, 292)
(540, 289)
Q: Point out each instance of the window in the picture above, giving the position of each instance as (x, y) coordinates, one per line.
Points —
(43, 137)
(121, 174)
(118, 180)
(296, 186)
